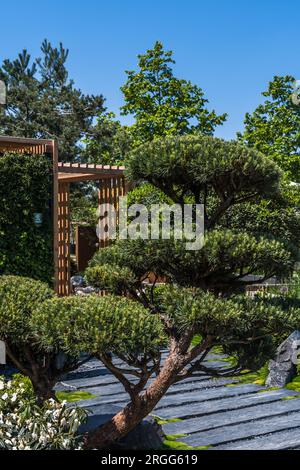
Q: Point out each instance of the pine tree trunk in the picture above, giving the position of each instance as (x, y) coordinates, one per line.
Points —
(127, 419)
(43, 388)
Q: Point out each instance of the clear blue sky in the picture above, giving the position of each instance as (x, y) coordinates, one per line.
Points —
(231, 48)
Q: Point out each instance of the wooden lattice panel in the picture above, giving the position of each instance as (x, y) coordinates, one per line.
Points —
(64, 263)
(112, 186)
(110, 190)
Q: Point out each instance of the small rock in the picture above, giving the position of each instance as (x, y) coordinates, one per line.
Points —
(85, 290)
(77, 281)
(283, 368)
(64, 387)
(148, 435)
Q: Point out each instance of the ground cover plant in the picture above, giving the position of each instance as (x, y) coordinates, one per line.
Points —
(26, 425)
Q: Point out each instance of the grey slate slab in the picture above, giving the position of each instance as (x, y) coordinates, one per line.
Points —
(204, 396)
(225, 404)
(87, 382)
(212, 414)
(103, 381)
(113, 392)
(282, 440)
(226, 418)
(244, 430)
(198, 396)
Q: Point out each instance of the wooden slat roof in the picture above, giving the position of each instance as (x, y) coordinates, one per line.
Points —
(67, 172)
(23, 141)
(8, 143)
(72, 172)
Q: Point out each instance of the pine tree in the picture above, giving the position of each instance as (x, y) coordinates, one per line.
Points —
(42, 102)
(202, 291)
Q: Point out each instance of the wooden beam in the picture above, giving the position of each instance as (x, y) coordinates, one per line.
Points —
(78, 177)
(24, 141)
(100, 170)
(55, 214)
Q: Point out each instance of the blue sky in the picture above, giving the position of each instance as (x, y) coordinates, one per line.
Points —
(230, 48)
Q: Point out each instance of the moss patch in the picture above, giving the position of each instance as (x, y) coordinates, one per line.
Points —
(294, 384)
(259, 377)
(270, 389)
(163, 421)
(290, 397)
(196, 340)
(217, 350)
(74, 396)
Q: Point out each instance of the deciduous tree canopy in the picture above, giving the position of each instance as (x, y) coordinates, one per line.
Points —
(274, 127)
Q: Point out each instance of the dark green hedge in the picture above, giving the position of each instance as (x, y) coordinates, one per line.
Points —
(26, 189)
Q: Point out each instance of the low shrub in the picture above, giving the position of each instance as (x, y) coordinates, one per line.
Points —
(116, 281)
(24, 425)
(19, 297)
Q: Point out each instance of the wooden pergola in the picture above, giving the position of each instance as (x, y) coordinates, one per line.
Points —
(111, 186)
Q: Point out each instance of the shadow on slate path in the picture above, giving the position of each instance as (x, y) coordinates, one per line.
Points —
(211, 413)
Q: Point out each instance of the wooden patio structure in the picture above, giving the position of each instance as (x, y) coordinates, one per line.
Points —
(111, 186)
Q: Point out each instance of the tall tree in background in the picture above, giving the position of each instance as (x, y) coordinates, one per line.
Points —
(108, 143)
(42, 102)
(274, 127)
(163, 105)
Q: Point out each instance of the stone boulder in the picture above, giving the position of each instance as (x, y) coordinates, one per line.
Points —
(148, 435)
(85, 290)
(77, 281)
(283, 368)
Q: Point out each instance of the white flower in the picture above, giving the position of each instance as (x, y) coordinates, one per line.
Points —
(14, 397)
(66, 442)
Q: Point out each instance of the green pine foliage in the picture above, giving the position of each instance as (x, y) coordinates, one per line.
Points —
(202, 296)
(19, 298)
(43, 102)
(181, 166)
(98, 325)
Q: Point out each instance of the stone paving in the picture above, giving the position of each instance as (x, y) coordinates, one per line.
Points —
(212, 412)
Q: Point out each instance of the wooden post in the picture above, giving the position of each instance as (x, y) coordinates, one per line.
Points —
(55, 214)
(64, 261)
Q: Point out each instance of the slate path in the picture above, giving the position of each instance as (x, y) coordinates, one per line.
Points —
(212, 412)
